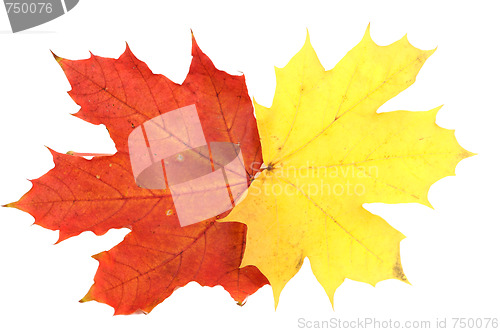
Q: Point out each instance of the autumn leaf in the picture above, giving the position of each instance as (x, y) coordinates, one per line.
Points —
(79, 195)
(327, 151)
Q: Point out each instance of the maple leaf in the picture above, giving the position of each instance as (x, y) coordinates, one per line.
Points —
(79, 195)
(328, 152)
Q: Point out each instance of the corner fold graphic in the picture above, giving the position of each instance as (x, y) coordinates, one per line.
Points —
(31, 13)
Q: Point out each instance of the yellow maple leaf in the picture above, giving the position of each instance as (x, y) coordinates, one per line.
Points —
(327, 151)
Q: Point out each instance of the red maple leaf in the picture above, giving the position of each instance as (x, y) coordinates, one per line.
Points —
(79, 195)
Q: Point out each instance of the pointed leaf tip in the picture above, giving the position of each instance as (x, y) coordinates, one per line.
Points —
(127, 49)
(98, 256)
(276, 294)
(61, 238)
(307, 42)
(87, 297)
(194, 47)
(58, 58)
(52, 152)
(367, 32)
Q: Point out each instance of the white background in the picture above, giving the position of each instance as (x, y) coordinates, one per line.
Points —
(451, 253)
